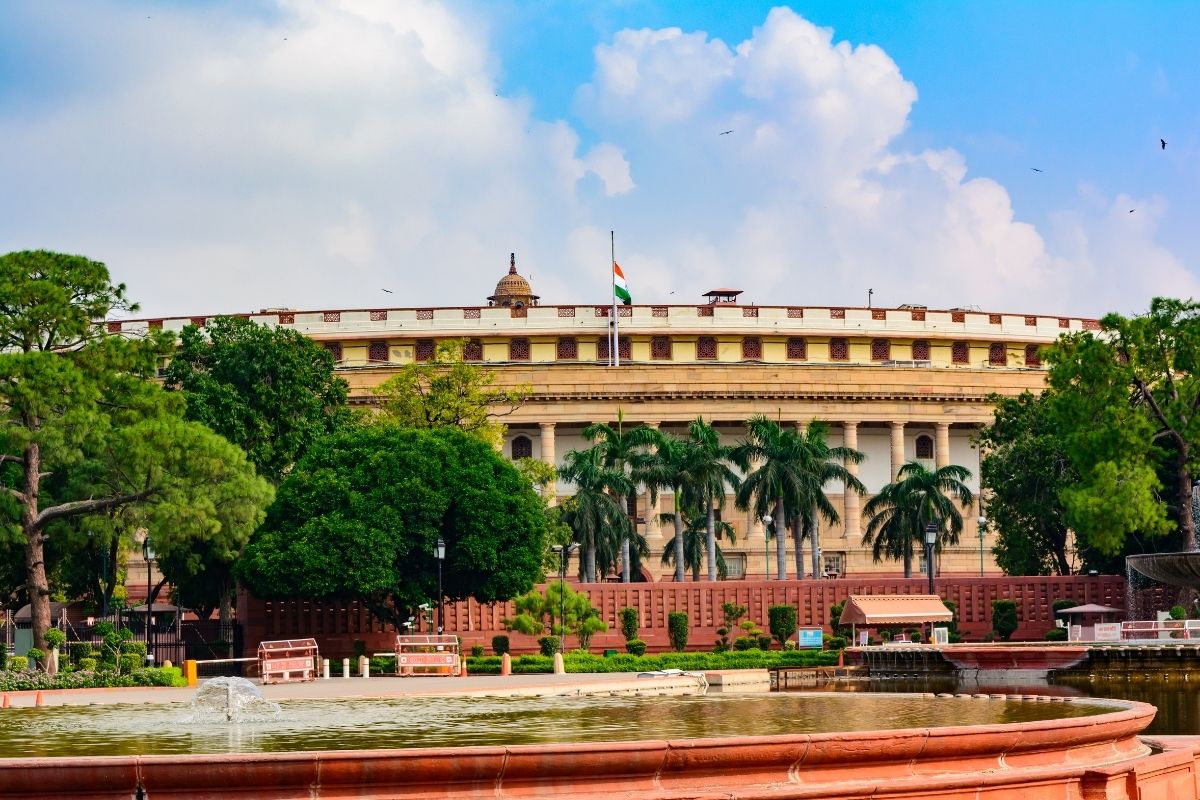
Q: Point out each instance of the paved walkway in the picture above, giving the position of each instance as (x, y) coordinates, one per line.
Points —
(486, 685)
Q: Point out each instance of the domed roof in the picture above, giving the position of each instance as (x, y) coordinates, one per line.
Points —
(512, 289)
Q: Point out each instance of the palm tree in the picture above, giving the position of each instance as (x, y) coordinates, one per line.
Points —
(768, 458)
(617, 449)
(708, 476)
(668, 466)
(695, 533)
(595, 515)
(899, 513)
(816, 465)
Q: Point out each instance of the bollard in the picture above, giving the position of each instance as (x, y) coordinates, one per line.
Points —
(841, 658)
(325, 666)
(462, 667)
(345, 668)
(5, 700)
(506, 664)
(559, 668)
(364, 666)
(37, 700)
(190, 671)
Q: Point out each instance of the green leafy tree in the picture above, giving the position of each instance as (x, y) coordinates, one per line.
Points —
(816, 464)
(695, 538)
(358, 517)
(709, 476)
(595, 515)
(447, 391)
(618, 449)
(769, 456)
(668, 466)
(269, 390)
(1004, 618)
(1128, 402)
(1026, 468)
(782, 622)
(539, 612)
(919, 496)
(84, 430)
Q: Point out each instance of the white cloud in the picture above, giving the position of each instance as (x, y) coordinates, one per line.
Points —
(320, 151)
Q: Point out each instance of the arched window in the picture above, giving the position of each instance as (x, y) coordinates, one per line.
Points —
(752, 348)
(924, 447)
(881, 349)
(1033, 355)
(997, 354)
(522, 447)
(920, 350)
(960, 353)
(706, 348)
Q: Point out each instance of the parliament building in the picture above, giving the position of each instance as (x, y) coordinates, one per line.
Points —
(897, 384)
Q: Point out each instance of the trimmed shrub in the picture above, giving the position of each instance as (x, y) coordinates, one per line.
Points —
(476, 650)
(1056, 635)
(383, 664)
(636, 647)
(834, 642)
(577, 662)
(629, 623)
(1004, 618)
(3, 658)
(129, 648)
(1178, 612)
(55, 638)
(85, 664)
(731, 612)
(500, 645)
(677, 629)
(129, 662)
(548, 645)
(764, 643)
(36, 657)
(79, 651)
(743, 643)
(18, 664)
(781, 621)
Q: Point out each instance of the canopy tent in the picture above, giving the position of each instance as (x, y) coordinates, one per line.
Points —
(1090, 608)
(893, 609)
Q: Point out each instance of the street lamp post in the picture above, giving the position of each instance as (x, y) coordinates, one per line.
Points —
(767, 519)
(439, 552)
(563, 554)
(982, 523)
(930, 539)
(148, 555)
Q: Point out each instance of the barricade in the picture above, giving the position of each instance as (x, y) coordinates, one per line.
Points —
(427, 655)
(1161, 629)
(287, 660)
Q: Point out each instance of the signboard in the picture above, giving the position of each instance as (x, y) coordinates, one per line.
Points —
(287, 664)
(941, 636)
(1107, 632)
(863, 638)
(810, 639)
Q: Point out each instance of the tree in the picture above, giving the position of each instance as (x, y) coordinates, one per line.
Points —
(358, 517)
(618, 449)
(85, 429)
(708, 477)
(1026, 468)
(594, 513)
(816, 464)
(1127, 402)
(695, 537)
(668, 466)
(448, 391)
(269, 390)
(542, 611)
(919, 496)
(768, 456)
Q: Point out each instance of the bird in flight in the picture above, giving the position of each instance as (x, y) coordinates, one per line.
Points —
(1035, 169)
(1132, 210)
(389, 291)
(1163, 142)
(723, 133)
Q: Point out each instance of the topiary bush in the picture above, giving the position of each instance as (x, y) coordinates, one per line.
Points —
(18, 664)
(548, 645)
(85, 664)
(834, 642)
(1004, 618)
(781, 621)
(629, 623)
(731, 612)
(500, 645)
(133, 648)
(1178, 612)
(35, 657)
(55, 638)
(477, 650)
(79, 651)
(1056, 635)
(677, 629)
(636, 647)
(129, 662)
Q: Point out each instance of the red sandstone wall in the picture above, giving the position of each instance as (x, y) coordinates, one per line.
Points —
(337, 624)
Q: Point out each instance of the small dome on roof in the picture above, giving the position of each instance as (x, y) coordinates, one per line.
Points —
(512, 289)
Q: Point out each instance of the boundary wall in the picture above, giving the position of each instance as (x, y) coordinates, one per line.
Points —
(338, 624)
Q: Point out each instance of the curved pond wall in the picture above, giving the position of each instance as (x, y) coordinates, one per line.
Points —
(1095, 756)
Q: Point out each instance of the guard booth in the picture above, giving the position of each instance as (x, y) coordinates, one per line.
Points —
(428, 655)
(288, 660)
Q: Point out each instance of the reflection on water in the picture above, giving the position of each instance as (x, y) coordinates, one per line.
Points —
(435, 722)
(1178, 704)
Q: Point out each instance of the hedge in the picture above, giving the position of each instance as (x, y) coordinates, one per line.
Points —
(157, 676)
(749, 659)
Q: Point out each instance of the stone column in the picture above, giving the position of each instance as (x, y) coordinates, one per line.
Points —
(897, 448)
(851, 519)
(942, 445)
(548, 456)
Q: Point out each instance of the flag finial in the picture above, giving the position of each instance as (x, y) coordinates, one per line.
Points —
(512, 263)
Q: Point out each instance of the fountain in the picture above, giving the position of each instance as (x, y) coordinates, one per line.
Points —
(230, 700)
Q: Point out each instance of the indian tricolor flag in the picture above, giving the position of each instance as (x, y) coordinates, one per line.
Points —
(620, 288)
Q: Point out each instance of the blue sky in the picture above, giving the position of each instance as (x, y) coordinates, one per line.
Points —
(224, 155)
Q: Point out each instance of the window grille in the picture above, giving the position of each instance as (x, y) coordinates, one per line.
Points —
(568, 348)
(660, 348)
(797, 349)
(377, 351)
(839, 350)
(706, 348)
(881, 349)
(752, 348)
(960, 353)
(425, 349)
(920, 350)
(518, 349)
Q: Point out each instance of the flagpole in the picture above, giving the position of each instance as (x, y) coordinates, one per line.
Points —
(616, 334)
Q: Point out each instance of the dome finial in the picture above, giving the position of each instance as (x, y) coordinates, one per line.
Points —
(512, 263)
